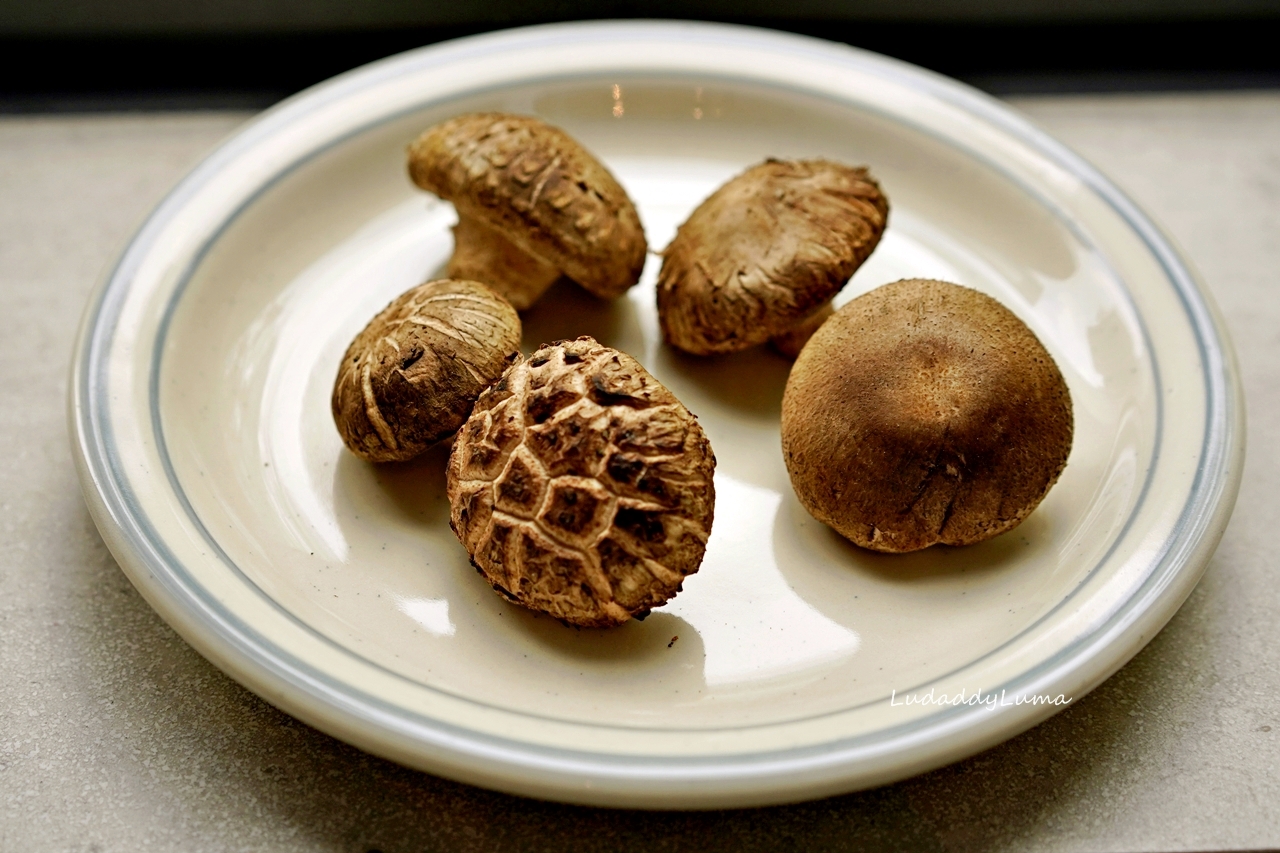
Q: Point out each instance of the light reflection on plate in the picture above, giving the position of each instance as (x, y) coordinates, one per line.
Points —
(753, 625)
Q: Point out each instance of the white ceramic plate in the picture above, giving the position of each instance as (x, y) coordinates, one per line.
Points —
(789, 665)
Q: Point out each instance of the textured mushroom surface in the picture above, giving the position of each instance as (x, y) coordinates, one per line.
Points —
(765, 251)
(581, 486)
(924, 412)
(549, 200)
(410, 378)
(790, 342)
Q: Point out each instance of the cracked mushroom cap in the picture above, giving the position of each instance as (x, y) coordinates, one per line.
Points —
(410, 378)
(921, 413)
(581, 486)
(528, 191)
(765, 251)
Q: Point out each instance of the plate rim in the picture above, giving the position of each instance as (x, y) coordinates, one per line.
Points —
(637, 780)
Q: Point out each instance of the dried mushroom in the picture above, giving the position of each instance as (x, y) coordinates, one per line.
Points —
(790, 342)
(410, 378)
(532, 204)
(924, 412)
(766, 252)
(581, 486)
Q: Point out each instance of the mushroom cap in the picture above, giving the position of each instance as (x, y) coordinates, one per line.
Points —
(924, 412)
(764, 251)
(581, 486)
(536, 185)
(410, 378)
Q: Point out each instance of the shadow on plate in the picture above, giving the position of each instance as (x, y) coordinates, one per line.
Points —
(413, 490)
(797, 534)
(661, 638)
(566, 311)
(749, 382)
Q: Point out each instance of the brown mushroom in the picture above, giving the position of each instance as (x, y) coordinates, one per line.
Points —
(924, 412)
(790, 342)
(765, 252)
(410, 378)
(532, 204)
(581, 486)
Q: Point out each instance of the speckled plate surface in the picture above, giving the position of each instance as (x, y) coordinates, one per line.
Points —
(794, 664)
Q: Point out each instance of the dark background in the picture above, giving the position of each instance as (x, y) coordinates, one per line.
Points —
(162, 54)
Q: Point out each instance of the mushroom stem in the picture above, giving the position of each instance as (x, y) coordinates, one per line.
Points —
(790, 342)
(482, 254)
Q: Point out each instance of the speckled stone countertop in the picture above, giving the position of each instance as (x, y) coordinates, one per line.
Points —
(116, 736)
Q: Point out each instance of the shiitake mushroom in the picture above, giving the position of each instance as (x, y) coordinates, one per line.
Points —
(762, 257)
(533, 204)
(924, 412)
(411, 377)
(581, 487)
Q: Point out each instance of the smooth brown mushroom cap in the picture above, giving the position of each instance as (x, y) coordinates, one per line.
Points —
(764, 251)
(581, 486)
(410, 378)
(541, 189)
(924, 412)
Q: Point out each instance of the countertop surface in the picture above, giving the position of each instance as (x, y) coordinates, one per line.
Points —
(116, 735)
